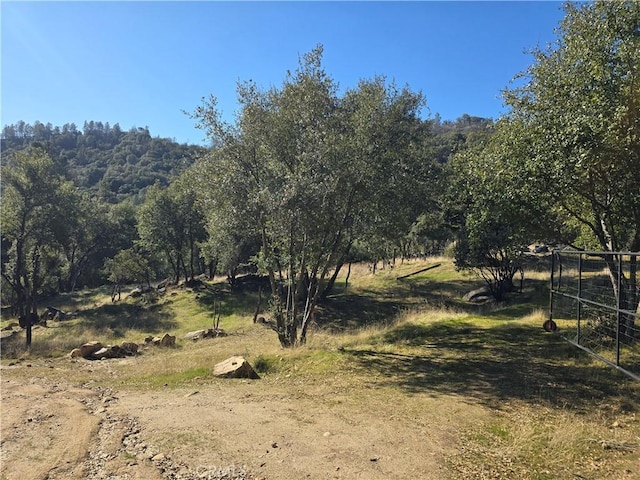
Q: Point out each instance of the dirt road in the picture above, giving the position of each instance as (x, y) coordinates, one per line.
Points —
(52, 430)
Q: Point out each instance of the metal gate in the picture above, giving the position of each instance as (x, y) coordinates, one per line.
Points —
(593, 304)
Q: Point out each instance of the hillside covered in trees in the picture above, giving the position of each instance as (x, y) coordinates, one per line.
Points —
(104, 159)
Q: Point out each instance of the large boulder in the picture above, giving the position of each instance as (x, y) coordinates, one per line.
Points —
(7, 334)
(75, 353)
(96, 351)
(235, 367)
(196, 335)
(165, 341)
(208, 333)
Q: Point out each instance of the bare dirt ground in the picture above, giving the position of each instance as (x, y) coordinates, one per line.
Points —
(52, 430)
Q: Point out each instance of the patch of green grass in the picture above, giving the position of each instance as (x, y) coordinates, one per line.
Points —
(498, 431)
(267, 364)
(199, 308)
(169, 379)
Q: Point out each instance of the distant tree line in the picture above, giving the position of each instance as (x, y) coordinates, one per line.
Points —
(307, 180)
(101, 158)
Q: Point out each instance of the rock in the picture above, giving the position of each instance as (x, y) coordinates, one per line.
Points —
(88, 349)
(129, 348)
(235, 367)
(104, 352)
(110, 351)
(159, 457)
(477, 295)
(164, 341)
(168, 340)
(195, 335)
(53, 313)
(6, 334)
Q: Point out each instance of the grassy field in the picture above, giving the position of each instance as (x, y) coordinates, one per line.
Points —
(538, 408)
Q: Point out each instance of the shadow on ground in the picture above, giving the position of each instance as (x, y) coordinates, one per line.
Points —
(354, 308)
(120, 317)
(493, 365)
(240, 299)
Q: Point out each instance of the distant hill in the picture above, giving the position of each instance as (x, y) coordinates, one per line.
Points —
(450, 137)
(114, 163)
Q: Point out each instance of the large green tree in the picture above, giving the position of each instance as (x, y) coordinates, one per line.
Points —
(392, 174)
(500, 207)
(308, 172)
(572, 135)
(580, 106)
(31, 211)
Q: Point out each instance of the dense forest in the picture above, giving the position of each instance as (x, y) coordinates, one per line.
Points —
(308, 180)
(104, 159)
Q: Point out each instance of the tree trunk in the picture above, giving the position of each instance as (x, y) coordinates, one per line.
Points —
(329, 286)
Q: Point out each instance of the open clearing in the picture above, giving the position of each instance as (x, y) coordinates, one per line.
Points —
(426, 393)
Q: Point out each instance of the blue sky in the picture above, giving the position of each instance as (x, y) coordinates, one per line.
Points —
(143, 63)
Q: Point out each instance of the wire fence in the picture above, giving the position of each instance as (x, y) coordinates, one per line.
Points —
(593, 304)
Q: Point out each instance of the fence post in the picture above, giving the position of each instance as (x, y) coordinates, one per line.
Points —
(579, 296)
(619, 310)
(553, 263)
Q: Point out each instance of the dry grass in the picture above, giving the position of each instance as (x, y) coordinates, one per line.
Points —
(529, 405)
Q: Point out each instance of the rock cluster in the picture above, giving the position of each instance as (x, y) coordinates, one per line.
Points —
(165, 341)
(480, 295)
(208, 333)
(97, 351)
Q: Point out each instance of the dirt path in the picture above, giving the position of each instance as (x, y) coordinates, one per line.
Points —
(53, 431)
(250, 431)
(274, 438)
(37, 419)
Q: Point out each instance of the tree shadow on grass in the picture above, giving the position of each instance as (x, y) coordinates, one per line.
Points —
(227, 300)
(352, 308)
(492, 365)
(120, 317)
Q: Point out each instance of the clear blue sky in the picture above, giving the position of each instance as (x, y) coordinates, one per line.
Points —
(142, 63)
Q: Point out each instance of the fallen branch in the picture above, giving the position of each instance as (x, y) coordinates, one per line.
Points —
(419, 271)
(613, 445)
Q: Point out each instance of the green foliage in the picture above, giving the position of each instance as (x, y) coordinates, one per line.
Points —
(265, 364)
(104, 159)
(580, 111)
(32, 209)
(564, 163)
(127, 266)
(171, 224)
(505, 209)
(309, 173)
